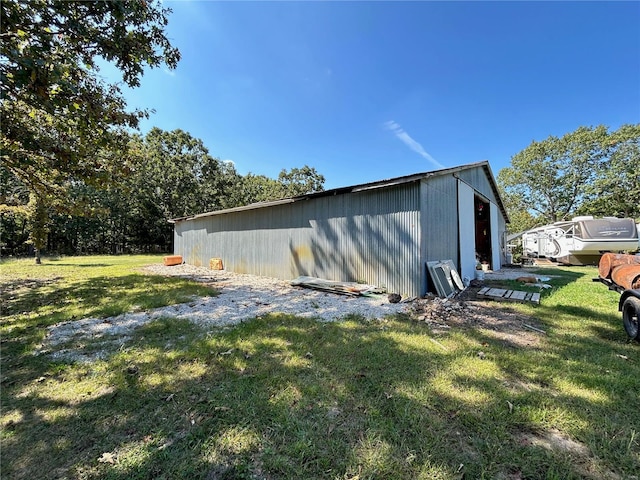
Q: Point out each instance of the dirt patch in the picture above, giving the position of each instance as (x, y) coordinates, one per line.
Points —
(553, 440)
(588, 466)
(496, 320)
(25, 284)
(14, 291)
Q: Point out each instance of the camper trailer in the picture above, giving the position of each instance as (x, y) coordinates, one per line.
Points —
(581, 240)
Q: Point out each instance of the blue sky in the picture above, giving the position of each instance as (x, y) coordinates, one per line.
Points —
(365, 91)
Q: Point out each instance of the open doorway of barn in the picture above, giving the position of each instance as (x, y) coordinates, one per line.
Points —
(482, 218)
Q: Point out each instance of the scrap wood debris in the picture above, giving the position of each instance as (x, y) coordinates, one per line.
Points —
(501, 323)
(343, 288)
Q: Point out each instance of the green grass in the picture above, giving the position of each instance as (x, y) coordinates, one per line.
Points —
(282, 397)
(62, 289)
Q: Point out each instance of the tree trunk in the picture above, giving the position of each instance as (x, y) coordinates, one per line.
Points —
(39, 226)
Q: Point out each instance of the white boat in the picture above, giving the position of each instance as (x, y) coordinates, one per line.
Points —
(581, 240)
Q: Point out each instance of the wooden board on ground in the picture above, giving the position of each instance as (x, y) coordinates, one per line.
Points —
(544, 262)
(502, 295)
(343, 288)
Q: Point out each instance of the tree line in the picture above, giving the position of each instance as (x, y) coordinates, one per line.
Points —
(163, 175)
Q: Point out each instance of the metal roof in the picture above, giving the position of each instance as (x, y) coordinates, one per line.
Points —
(360, 188)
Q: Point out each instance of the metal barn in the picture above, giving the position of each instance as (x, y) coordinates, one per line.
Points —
(380, 233)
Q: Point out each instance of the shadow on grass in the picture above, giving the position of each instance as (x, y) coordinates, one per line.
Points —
(81, 265)
(29, 306)
(281, 397)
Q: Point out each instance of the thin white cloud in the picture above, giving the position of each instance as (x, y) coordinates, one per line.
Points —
(230, 162)
(404, 137)
(171, 73)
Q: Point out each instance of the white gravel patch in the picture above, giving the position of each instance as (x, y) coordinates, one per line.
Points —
(241, 297)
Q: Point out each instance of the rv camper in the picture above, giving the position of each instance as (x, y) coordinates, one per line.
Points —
(582, 240)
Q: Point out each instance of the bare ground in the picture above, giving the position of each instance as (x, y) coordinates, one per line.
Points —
(494, 319)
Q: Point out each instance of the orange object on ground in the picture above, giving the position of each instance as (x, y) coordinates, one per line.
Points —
(215, 264)
(173, 260)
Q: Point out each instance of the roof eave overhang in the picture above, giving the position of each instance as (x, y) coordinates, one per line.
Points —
(361, 188)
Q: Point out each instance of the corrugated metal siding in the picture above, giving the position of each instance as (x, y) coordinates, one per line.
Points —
(371, 236)
(440, 218)
(477, 178)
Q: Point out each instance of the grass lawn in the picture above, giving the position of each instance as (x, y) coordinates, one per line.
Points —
(282, 397)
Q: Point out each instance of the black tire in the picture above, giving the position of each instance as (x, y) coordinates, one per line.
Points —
(631, 317)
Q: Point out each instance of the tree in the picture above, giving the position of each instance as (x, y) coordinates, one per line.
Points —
(39, 217)
(55, 108)
(551, 177)
(96, 223)
(616, 189)
(260, 188)
(520, 217)
(14, 213)
(300, 181)
(176, 177)
(254, 188)
(57, 114)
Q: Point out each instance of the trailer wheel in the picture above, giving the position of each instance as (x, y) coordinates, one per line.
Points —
(631, 317)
